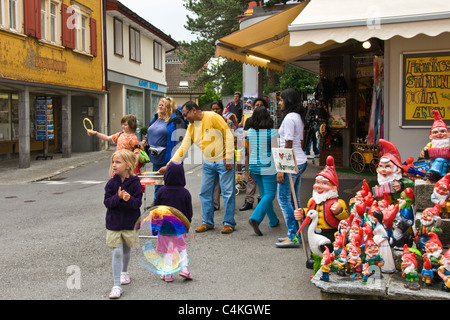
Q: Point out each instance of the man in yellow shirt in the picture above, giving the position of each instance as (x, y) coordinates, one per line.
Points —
(211, 134)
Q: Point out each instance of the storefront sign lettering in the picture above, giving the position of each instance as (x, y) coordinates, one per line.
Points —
(147, 84)
(426, 87)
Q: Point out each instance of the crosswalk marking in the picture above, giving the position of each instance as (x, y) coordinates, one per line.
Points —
(87, 182)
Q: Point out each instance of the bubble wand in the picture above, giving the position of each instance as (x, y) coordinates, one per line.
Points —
(89, 122)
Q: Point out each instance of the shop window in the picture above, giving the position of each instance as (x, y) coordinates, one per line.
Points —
(135, 105)
(118, 37)
(9, 116)
(157, 56)
(135, 45)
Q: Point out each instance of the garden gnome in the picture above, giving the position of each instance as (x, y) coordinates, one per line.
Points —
(441, 196)
(390, 174)
(325, 200)
(427, 272)
(444, 271)
(355, 262)
(327, 259)
(428, 222)
(433, 250)
(409, 269)
(437, 150)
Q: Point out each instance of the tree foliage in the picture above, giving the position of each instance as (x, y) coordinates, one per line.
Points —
(212, 20)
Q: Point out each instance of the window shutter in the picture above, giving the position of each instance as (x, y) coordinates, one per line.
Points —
(68, 27)
(32, 18)
(93, 37)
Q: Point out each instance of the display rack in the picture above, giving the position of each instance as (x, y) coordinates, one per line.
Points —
(44, 124)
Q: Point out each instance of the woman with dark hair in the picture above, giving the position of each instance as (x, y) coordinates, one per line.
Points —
(291, 136)
(262, 137)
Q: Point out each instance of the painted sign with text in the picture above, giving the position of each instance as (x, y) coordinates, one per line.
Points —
(284, 160)
(426, 87)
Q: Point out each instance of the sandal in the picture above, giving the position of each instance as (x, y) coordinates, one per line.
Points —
(187, 275)
(115, 293)
(124, 278)
(167, 277)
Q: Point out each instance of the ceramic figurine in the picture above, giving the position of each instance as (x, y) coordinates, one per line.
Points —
(342, 262)
(401, 228)
(327, 259)
(331, 210)
(433, 250)
(444, 271)
(373, 258)
(406, 204)
(381, 239)
(354, 261)
(400, 232)
(441, 196)
(361, 201)
(427, 272)
(437, 150)
(409, 269)
(430, 221)
(390, 173)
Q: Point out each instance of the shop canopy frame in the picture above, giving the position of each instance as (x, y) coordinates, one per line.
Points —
(266, 43)
(299, 34)
(325, 20)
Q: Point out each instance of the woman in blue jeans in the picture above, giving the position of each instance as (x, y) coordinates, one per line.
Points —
(291, 136)
(261, 137)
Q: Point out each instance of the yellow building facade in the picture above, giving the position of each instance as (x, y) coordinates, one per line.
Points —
(51, 54)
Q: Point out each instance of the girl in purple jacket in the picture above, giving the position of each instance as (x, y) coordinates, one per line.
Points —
(123, 199)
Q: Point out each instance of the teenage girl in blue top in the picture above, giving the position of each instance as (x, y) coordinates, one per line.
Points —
(262, 137)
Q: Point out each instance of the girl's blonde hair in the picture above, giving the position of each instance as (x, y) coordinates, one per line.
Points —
(170, 106)
(128, 157)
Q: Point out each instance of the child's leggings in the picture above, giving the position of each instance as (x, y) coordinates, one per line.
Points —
(120, 259)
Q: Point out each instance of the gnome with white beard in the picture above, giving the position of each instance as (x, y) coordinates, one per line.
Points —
(437, 150)
(390, 174)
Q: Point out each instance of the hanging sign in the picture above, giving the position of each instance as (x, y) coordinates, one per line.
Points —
(426, 87)
(284, 160)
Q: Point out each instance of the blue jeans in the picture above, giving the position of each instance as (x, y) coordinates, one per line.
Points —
(267, 185)
(286, 201)
(210, 171)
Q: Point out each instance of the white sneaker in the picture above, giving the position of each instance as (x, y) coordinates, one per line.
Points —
(124, 278)
(116, 292)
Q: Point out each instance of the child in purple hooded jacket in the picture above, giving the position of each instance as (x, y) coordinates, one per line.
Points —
(175, 195)
(123, 199)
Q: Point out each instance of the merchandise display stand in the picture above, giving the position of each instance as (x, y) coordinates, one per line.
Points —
(44, 124)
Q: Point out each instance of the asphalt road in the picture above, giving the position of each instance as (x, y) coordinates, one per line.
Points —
(53, 247)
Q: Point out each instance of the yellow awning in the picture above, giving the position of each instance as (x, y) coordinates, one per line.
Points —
(266, 43)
